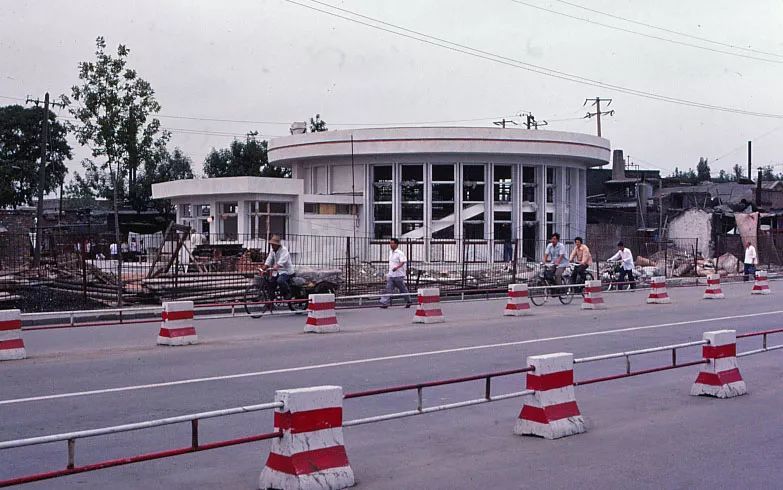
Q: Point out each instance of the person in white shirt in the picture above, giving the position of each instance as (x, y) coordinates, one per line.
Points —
(395, 279)
(751, 260)
(280, 260)
(113, 251)
(626, 257)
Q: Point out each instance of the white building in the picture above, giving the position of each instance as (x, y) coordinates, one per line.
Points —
(425, 184)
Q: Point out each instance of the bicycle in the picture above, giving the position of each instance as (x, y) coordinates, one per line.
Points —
(263, 295)
(610, 277)
(541, 287)
(569, 272)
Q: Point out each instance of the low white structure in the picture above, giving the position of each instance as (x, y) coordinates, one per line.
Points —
(431, 185)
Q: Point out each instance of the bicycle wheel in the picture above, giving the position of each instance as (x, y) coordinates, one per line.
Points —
(566, 295)
(299, 305)
(254, 301)
(538, 296)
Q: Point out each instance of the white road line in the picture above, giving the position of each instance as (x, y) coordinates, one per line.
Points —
(374, 359)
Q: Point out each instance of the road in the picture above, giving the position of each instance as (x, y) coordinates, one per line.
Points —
(645, 432)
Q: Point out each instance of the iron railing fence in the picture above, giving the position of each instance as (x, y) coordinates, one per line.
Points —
(82, 271)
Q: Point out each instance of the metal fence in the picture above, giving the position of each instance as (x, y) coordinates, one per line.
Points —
(80, 271)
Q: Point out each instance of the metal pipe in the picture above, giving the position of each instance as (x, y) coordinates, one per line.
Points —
(136, 426)
(759, 351)
(637, 373)
(194, 433)
(71, 453)
(616, 355)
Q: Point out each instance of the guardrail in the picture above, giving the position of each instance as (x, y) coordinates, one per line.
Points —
(420, 409)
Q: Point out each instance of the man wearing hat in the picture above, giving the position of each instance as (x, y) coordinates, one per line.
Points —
(280, 260)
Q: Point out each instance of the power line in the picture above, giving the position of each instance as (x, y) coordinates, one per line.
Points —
(477, 53)
(651, 36)
(671, 31)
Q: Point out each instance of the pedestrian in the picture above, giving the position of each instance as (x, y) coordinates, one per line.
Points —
(751, 260)
(626, 257)
(113, 252)
(395, 279)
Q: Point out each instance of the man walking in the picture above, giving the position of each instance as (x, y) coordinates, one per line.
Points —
(395, 279)
(626, 257)
(751, 259)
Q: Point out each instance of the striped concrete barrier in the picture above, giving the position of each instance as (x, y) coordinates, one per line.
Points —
(321, 317)
(518, 301)
(428, 309)
(11, 341)
(177, 327)
(720, 377)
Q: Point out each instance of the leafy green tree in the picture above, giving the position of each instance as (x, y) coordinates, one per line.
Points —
(317, 125)
(20, 154)
(247, 158)
(168, 167)
(738, 173)
(113, 108)
(703, 170)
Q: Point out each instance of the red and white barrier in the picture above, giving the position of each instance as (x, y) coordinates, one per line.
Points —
(721, 377)
(761, 284)
(428, 310)
(177, 325)
(552, 411)
(311, 453)
(658, 294)
(518, 301)
(593, 297)
(321, 317)
(11, 342)
(713, 290)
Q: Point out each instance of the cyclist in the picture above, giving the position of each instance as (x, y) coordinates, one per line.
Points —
(580, 256)
(626, 257)
(279, 260)
(556, 254)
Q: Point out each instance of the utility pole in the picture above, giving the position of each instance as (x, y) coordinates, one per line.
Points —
(503, 122)
(597, 104)
(42, 174)
(530, 121)
(536, 124)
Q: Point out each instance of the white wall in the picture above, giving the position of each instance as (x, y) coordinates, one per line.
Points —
(693, 223)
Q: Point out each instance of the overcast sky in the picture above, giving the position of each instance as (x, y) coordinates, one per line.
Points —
(270, 60)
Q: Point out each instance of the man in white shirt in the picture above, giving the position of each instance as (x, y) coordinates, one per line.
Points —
(280, 260)
(113, 251)
(626, 257)
(751, 259)
(395, 279)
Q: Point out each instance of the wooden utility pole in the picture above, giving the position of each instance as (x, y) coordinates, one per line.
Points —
(597, 104)
(502, 123)
(41, 175)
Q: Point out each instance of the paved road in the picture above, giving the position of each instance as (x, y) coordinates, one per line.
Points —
(644, 432)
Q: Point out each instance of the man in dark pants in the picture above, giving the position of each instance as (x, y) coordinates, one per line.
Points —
(395, 278)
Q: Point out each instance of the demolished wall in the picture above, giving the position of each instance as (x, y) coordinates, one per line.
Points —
(693, 223)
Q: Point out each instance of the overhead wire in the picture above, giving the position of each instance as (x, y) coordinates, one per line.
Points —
(670, 31)
(651, 36)
(477, 53)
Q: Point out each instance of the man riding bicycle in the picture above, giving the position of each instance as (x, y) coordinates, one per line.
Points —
(279, 260)
(580, 256)
(556, 254)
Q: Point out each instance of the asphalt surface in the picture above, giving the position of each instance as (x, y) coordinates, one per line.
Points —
(643, 432)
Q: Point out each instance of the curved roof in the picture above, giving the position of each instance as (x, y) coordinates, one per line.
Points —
(441, 140)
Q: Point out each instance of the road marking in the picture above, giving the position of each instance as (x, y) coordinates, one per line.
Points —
(374, 359)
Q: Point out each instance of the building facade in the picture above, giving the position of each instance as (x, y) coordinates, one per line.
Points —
(423, 184)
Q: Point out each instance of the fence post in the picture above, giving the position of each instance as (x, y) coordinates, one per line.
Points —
(84, 269)
(464, 263)
(514, 261)
(696, 260)
(348, 262)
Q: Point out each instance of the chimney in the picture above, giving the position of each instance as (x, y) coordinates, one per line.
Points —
(758, 190)
(618, 165)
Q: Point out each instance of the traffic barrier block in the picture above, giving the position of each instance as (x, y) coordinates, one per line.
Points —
(311, 453)
(428, 309)
(713, 290)
(761, 284)
(518, 301)
(552, 411)
(177, 325)
(321, 317)
(11, 341)
(720, 377)
(593, 297)
(658, 294)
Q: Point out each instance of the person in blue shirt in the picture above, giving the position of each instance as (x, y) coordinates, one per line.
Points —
(556, 254)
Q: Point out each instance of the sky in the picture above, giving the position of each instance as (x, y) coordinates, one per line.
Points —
(273, 62)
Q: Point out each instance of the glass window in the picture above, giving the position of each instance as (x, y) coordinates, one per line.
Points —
(502, 183)
(412, 212)
(443, 192)
(187, 211)
(383, 192)
(311, 208)
(502, 231)
(529, 193)
(383, 212)
(473, 183)
(550, 194)
(473, 231)
(443, 173)
(412, 183)
(270, 218)
(529, 175)
(382, 230)
(408, 227)
(444, 234)
(382, 183)
(529, 217)
(442, 210)
(550, 175)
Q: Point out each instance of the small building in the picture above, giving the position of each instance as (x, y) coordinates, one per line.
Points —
(428, 185)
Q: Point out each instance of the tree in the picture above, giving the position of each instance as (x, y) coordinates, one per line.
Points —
(738, 172)
(241, 159)
(113, 111)
(703, 170)
(20, 152)
(723, 176)
(317, 125)
(768, 173)
(79, 192)
(168, 167)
